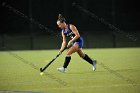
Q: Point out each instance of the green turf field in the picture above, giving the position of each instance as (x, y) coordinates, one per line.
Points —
(118, 71)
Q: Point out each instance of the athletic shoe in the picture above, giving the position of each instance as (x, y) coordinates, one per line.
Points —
(94, 65)
(61, 69)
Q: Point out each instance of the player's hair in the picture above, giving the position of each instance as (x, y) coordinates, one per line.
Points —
(61, 18)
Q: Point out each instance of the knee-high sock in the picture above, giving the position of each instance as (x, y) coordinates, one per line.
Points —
(88, 59)
(67, 61)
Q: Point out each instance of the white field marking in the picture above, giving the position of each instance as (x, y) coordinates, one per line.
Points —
(96, 86)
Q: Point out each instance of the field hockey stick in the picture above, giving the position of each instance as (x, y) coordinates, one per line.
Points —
(42, 69)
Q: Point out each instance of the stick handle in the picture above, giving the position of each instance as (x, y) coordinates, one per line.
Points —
(64, 49)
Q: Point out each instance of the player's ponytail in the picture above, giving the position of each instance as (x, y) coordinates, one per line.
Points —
(61, 18)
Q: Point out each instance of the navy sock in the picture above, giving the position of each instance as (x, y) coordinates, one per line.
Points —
(67, 61)
(88, 59)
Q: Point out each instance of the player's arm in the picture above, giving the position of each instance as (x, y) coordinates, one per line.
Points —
(63, 45)
(75, 31)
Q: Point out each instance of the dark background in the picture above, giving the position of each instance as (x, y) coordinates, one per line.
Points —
(19, 32)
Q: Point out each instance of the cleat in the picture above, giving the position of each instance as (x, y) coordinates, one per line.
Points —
(94, 65)
(61, 69)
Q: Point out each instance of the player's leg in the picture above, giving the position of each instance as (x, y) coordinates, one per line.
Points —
(87, 58)
(70, 51)
(84, 56)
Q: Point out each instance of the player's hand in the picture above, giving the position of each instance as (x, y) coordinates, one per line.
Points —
(69, 43)
(60, 52)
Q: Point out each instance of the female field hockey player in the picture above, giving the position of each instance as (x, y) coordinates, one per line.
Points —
(75, 44)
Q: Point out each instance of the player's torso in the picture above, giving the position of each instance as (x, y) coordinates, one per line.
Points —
(68, 32)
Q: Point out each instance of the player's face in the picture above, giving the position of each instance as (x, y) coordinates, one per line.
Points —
(60, 25)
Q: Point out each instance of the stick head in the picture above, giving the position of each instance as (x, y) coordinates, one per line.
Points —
(41, 70)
